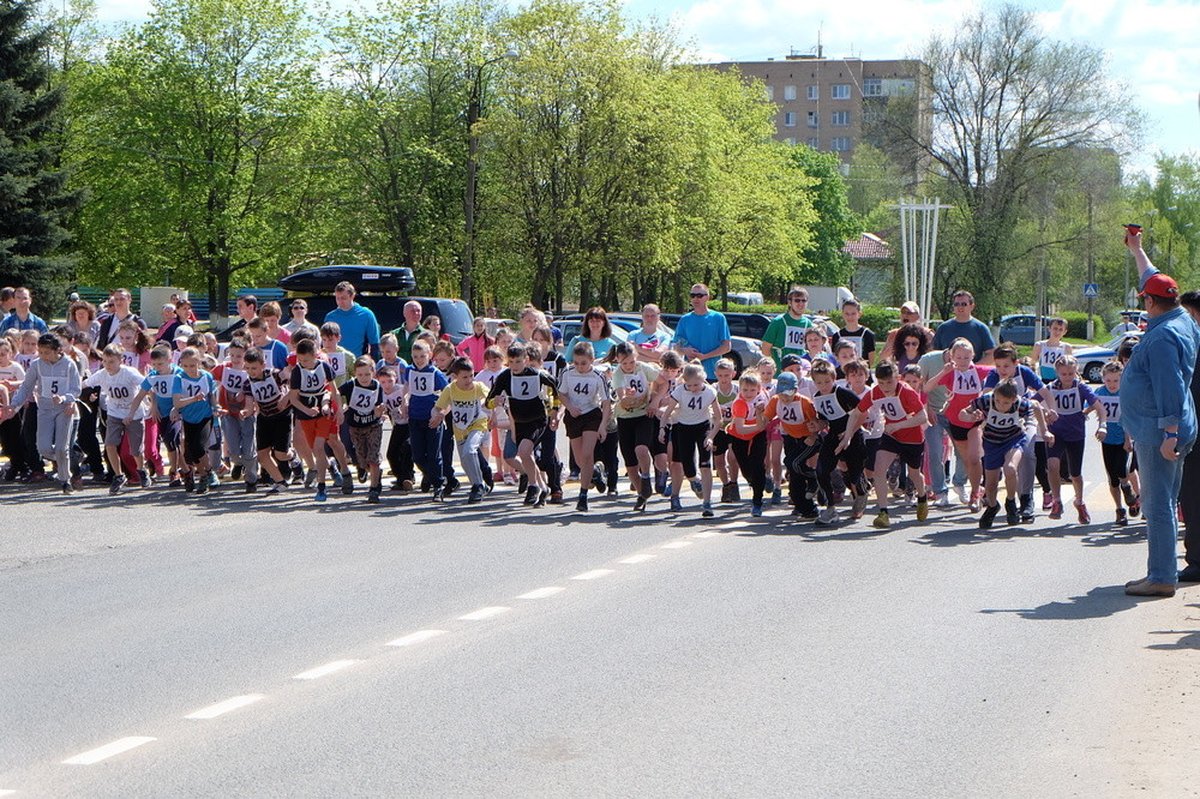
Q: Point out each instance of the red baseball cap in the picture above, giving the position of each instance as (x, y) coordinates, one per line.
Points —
(1160, 285)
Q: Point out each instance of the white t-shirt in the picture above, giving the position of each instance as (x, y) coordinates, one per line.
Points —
(693, 407)
(119, 391)
(584, 390)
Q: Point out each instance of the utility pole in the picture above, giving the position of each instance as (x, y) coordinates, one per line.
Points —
(1091, 270)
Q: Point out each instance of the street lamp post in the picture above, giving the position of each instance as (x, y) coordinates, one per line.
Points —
(474, 107)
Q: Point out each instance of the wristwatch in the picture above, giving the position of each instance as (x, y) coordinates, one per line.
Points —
(1169, 434)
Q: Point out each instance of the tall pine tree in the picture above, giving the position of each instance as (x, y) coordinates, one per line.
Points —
(35, 201)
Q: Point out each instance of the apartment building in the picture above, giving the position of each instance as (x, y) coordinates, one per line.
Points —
(833, 104)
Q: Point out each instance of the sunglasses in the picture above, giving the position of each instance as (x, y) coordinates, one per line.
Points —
(912, 343)
(798, 299)
(696, 296)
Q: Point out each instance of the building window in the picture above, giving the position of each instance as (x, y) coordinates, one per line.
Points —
(789, 119)
(872, 87)
(791, 140)
(814, 143)
(789, 93)
(814, 120)
(814, 92)
(840, 144)
(841, 91)
(770, 92)
(840, 119)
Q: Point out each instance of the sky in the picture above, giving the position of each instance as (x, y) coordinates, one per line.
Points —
(1153, 45)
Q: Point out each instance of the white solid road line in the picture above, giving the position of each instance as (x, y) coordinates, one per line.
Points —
(542, 593)
(415, 638)
(108, 750)
(706, 534)
(221, 708)
(6, 792)
(676, 545)
(633, 560)
(321, 671)
(594, 574)
(484, 613)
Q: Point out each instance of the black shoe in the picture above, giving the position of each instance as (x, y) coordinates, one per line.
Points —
(735, 493)
(237, 473)
(202, 488)
(598, 480)
(1011, 515)
(1127, 493)
(581, 505)
(362, 476)
(117, 483)
(644, 489)
(556, 498)
(531, 495)
(438, 494)
(373, 495)
(541, 499)
(451, 487)
(1026, 509)
(347, 483)
(475, 495)
(988, 516)
(725, 493)
(189, 482)
(251, 488)
(523, 485)
(1189, 574)
(67, 489)
(640, 503)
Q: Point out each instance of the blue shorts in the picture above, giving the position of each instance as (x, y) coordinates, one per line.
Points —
(994, 454)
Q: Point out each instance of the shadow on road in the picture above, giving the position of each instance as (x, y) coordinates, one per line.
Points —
(1099, 603)
(1094, 535)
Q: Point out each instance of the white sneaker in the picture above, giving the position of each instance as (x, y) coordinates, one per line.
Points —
(942, 501)
(963, 495)
(827, 516)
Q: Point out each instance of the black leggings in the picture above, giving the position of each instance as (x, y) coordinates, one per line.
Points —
(751, 458)
(686, 439)
(606, 456)
(547, 458)
(85, 436)
(854, 456)
(12, 444)
(633, 432)
(399, 453)
(1116, 463)
(802, 478)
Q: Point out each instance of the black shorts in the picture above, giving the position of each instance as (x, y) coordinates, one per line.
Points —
(720, 443)
(195, 441)
(274, 432)
(684, 439)
(1070, 457)
(632, 433)
(170, 433)
(587, 423)
(1116, 463)
(872, 446)
(959, 433)
(529, 431)
(658, 447)
(911, 455)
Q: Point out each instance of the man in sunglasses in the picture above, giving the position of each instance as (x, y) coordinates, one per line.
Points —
(702, 334)
(785, 334)
(964, 325)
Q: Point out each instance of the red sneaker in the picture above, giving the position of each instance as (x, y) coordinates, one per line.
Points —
(1084, 516)
(1056, 509)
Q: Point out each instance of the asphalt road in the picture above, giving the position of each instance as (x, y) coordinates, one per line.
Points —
(409, 649)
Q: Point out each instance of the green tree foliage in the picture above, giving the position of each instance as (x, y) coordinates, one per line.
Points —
(35, 202)
(824, 262)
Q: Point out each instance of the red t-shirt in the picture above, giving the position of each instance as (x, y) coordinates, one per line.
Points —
(964, 388)
(896, 408)
(749, 413)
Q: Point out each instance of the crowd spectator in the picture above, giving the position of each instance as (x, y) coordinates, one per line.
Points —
(360, 328)
(965, 325)
(22, 316)
(702, 333)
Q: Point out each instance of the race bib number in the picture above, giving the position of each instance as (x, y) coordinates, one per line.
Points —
(311, 381)
(234, 382)
(53, 386)
(583, 390)
(891, 409)
(791, 413)
(1112, 408)
(1049, 356)
(966, 382)
(129, 358)
(854, 340)
(793, 338)
(193, 389)
(464, 414)
(161, 386)
(421, 384)
(337, 362)
(727, 412)
(266, 392)
(1001, 421)
(1066, 402)
(526, 387)
(636, 384)
(362, 400)
(829, 408)
(696, 402)
(551, 367)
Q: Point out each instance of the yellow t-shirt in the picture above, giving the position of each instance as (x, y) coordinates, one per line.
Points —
(465, 408)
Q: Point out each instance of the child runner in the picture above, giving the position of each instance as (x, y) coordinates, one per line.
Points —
(964, 379)
(1046, 352)
(1116, 446)
(399, 451)
(727, 392)
(236, 417)
(749, 439)
(632, 382)
(554, 364)
(462, 402)
(834, 404)
(312, 394)
(120, 385)
(519, 389)
(52, 381)
(159, 383)
(1070, 400)
(863, 338)
(774, 464)
(1004, 413)
(1028, 385)
(493, 365)
(422, 383)
(670, 367)
(903, 419)
(795, 413)
(585, 395)
(363, 409)
(273, 430)
(194, 395)
(695, 417)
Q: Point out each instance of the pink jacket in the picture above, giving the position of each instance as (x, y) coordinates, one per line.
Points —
(473, 347)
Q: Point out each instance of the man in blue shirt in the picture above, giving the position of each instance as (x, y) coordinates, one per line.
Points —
(964, 325)
(21, 317)
(702, 334)
(360, 328)
(1158, 413)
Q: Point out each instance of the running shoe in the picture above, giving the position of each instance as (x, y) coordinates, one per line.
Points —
(541, 498)
(347, 483)
(117, 483)
(1084, 516)
(988, 516)
(1047, 500)
(1127, 492)
(277, 488)
(373, 495)
(67, 488)
(1056, 510)
(144, 478)
(322, 494)
(1011, 514)
(336, 474)
(922, 509)
(827, 517)
(777, 496)
(581, 505)
(676, 505)
(756, 509)
(697, 487)
(531, 495)
(859, 506)
(250, 488)
(706, 510)
(882, 520)
(475, 495)
(1122, 519)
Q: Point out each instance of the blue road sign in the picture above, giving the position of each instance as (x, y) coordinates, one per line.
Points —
(1091, 290)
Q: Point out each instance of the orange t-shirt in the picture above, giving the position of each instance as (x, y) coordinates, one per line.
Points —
(793, 415)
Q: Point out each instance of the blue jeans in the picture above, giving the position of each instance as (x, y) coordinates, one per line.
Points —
(934, 438)
(1160, 491)
(427, 449)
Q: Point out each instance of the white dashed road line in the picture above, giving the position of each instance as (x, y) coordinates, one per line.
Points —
(6, 792)
(543, 593)
(634, 560)
(93, 756)
(221, 708)
(418, 637)
(321, 671)
(484, 613)
(594, 574)
(676, 545)
(706, 534)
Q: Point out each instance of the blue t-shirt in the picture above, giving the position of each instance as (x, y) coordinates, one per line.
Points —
(424, 385)
(1115, 434)
(972, 330)
(360, 328)
(1026, 379)
(600, 347)
(1069, 404)
(703, 332)
(650, 341)
(185, 386)
(275, 354)
(162, 386)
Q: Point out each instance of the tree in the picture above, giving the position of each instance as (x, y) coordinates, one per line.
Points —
(194, 135)
(824, 262)
(1005, 98)
(35, 201)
